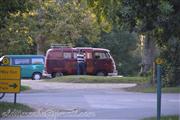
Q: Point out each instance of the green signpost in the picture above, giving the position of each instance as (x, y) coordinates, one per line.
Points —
(159, 61)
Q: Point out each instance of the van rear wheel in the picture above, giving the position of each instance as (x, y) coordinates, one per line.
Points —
(101, 73)
(59, 74)
(36, 76)
(53, 75)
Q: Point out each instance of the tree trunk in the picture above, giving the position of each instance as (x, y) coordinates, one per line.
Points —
(148, 53)
(154, 80)
(40, 41)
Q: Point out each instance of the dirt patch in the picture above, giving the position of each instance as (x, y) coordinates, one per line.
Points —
(41, 85)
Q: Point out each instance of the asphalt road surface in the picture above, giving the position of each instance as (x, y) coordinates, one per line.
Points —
(73, 101)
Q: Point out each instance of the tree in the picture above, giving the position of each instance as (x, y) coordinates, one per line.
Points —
(122, 45)
(63, 23)
(27, 26)
(160, 18)
(13, 33)
(8, 7)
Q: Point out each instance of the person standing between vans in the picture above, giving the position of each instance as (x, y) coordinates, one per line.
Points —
(81, 65)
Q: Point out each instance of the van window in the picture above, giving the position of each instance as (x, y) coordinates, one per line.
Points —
(37, 61)
(55, 55)
(75, 55)
(21, 61)
(88, 55)
(101, 55)
(67, 55)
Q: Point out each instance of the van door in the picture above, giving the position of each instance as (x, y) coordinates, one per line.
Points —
(37, 64)
(89, 63)
(88, 60)
(102, 63)
(68, 62)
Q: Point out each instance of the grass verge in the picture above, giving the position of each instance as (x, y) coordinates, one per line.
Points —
(24, 88)
(152, 89)
(174, 117)
(9, 109)
(97, 79)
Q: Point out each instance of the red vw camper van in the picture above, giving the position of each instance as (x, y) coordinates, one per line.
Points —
(61, 60)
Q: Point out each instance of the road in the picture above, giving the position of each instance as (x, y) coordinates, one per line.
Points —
(72, 101)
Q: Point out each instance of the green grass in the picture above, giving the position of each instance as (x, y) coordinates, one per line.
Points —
(24, 88)
(141, 81)
(164, 118)
(8, 109)
(152, 89)
(171, 90)
(97, 79)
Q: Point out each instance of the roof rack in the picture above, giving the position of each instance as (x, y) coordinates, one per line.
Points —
(82, 47)
(61, 45)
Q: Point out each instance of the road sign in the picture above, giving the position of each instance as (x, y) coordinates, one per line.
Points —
(9, 72)
(5, 61)
(10, 86)
(159, 61)
(10, 79)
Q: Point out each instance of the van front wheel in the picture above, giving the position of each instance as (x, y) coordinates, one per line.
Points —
(56, 74)
(36, 76)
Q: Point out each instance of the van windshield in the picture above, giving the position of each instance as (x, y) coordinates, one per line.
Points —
(37, 61)
(101, 55)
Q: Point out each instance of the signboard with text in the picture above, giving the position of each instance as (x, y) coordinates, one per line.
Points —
(10, 79)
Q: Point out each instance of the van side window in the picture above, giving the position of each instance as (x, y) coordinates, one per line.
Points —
(100, 55)
(75, 55)
(67, 55)
(55, 54)
(37, 61)
(21, 61)
(88, 55)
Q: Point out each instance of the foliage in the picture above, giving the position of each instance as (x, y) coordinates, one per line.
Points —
(122, 46)
(168, 38)
(8, 7)
(12, 27)
(24, 88)
(171, 68)
(158, 17)
(27, 24)
(63, 23)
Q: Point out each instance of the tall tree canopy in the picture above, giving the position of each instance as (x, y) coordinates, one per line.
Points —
(159, 18)
(30, 25)
(64, 23)
(13, 31)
